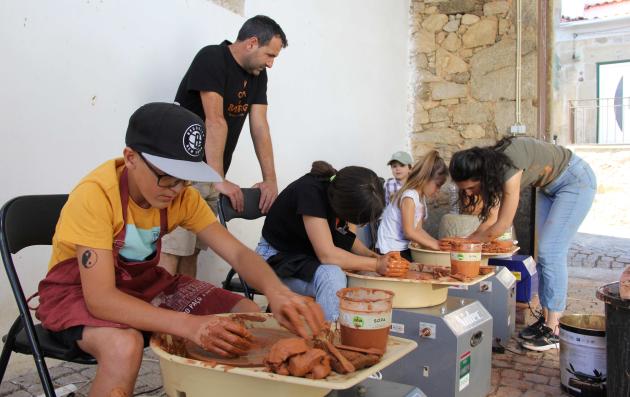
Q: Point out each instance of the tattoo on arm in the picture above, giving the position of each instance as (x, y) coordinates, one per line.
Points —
(88, 259)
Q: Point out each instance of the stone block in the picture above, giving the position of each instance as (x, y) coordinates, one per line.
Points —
(495, 7)
(424, 41)
(496, 57)
(470, 19)
(451, 26)
(482, 33)
(505, 116)
(421, 60)
(511, 373)
(446, 136)
(445, 90)
(449, 63)
(504, 26)
(434, 23)
(439, 113)
(448, 102)
(452, 42)
(473, 131)
(461, 78)
(457, 6)
(469, 113)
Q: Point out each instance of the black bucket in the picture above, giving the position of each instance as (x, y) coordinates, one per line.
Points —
(617, 340)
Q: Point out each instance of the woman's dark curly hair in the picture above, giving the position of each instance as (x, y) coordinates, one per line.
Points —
(487, 165)
(355, 194)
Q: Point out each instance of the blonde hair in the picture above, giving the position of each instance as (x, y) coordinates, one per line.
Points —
(429, 168)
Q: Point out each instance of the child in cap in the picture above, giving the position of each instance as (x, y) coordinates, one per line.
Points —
(104, 287)
(400, 163)
(403, 217)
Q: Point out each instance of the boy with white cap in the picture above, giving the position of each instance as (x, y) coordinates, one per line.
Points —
(400, 163)
(104, 287)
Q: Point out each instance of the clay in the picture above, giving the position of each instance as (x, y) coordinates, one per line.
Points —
(361, 360)
(302, 364)
(624, 284)
(264, 338)
(397, 266)
(284, 349)
(492, 247)
(338, 362)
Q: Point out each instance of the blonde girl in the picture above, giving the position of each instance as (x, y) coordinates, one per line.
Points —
(403, 217)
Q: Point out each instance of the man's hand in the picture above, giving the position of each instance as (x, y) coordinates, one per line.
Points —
(222, 336)
(234, 192)
(268, 194)
(295, 311)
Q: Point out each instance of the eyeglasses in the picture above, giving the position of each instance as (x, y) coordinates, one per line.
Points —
(164, 180)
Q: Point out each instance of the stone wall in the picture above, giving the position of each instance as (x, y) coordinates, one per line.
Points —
(463, 60)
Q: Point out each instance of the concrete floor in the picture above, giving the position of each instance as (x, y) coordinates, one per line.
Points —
(515, 373)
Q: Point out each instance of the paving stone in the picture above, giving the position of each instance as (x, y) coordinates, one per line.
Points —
(552, 390)
(516, 383)
(20, 393)
(501, 364)
(89, 372)
(534, 393)
(535, 378)
(524, 367)
(8, 388)
(506, 391)
(555, 381)
(511, 373)
(527, 360)
(549, 371)
(59, 371)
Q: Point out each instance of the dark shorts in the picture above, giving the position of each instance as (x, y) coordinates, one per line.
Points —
(187, 295)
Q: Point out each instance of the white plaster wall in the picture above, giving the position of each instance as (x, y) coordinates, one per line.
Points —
(72, 72)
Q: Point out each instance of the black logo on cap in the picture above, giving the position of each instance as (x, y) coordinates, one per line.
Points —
(193, 140)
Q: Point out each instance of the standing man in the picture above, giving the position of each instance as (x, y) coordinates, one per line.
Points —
(223, 85)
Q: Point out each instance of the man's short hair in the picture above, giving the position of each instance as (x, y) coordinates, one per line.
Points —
(263, 28)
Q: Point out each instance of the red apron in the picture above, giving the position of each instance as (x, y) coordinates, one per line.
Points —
(62, 304)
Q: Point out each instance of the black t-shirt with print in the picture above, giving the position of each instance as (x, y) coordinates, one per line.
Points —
(214, 69)
(284, 226)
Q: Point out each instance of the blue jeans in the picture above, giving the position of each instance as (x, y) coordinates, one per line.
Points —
(323, 287)
(561, 207)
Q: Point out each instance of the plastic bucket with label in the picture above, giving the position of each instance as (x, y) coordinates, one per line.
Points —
(583, 354)
(365, 317)
(466, 258)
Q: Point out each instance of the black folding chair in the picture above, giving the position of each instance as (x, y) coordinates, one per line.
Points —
(251, 197)
(27, 221)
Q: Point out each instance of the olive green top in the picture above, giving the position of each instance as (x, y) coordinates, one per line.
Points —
(540, 161)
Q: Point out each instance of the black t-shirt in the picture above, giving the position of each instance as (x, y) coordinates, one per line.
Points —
(215, 69)
(284, 226)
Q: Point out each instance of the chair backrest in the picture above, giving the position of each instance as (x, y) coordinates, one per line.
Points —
(251, 197)
(29, 220)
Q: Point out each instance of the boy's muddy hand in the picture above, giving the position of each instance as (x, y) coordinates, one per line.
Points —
(295, 311)
(222, 336)
(392, 265)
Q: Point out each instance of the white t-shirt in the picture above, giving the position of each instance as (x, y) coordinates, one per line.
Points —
(390, 231)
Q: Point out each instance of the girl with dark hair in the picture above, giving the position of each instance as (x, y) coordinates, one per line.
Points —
(403, 217)
(306, 238)
(566, 186)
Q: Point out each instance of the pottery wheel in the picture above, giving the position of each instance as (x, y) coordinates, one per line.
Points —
(264, 338)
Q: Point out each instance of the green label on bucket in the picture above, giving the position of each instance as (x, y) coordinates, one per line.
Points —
(466, 256)
(365, 320)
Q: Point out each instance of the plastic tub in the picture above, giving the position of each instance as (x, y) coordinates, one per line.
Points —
(466, 258)
(193, 378)
(365, 316)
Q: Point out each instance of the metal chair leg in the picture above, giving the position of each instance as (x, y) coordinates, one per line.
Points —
(7, 349)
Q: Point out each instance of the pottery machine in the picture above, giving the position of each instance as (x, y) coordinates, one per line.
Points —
(498, 295)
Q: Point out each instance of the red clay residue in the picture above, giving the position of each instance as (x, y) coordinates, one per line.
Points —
(118, 392)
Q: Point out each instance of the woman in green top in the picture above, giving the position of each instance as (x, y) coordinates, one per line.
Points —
(566, 188)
